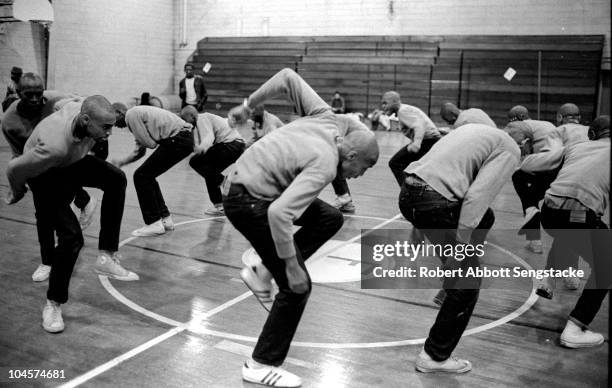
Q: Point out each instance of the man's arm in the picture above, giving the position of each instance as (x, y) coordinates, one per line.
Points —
(548, 159)
(138, 152)
(291, 205)
(207, 134)
(203, 94)
(491, 177)
(31, 164)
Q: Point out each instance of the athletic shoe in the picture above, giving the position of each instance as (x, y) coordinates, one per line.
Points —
(425, 364)
(344, 203)
(86, 216)
(531, 221)
(571, 282)
(52, 317)
(42, 273)
(535, 246)
(575, 337)
(154, 229)
(271, 376)
(168, 223)
(545, 288)
(215, 211)
(111, 267)
(253, 277)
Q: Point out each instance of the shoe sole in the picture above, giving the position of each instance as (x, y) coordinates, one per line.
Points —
(252, 380)
(116, 277)
(53, 331)
(40, 280)
(430, 370)
(254, 292)
(574, 345)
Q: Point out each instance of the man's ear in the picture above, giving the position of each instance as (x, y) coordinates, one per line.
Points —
(351, 155)
(85, 118)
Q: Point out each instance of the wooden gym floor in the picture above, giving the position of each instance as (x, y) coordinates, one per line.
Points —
(190, 322)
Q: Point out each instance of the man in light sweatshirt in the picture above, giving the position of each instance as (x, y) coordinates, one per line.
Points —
(273, 186)
(55, 163)
(447, 195)
(172, 139)
(416, 126)
(458, 117)
(217, 146)
(531, 136)
(572, 214)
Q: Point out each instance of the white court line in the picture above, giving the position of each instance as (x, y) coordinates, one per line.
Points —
(118, 360)
(355, 345)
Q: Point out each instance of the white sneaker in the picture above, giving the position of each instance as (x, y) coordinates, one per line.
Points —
(154, 229)
(42, 273)
(574, 337)
(52, 317)
(86, 216)
(271, 376)
(111, 267)
(535, 246)
(216, 210)
(425, 364)
(259, 280)
(168, 223)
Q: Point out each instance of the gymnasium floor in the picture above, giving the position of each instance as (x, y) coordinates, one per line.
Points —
(190, 322)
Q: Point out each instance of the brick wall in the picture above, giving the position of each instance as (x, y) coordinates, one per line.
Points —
(115, 48)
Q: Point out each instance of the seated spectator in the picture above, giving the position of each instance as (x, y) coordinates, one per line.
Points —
(337, 103)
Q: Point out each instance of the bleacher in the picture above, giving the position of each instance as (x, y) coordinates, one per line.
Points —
(425, 70)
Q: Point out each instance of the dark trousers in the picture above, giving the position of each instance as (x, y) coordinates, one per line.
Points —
(169, 152)
(211, 163)
(53, 191)
(403, 158)
(438, 218)
(530, 189)
(319, 223)
(100, 150)
(582, 234)
(340, 186)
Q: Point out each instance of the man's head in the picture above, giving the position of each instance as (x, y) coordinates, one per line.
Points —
(568, 113)
(120, 110)
(449, 112)
(188, 70)
(16, 73)
(30, 89)
(190, 115)
(336, 94)
(518, 113)
(390, 102)
(600, 128)
(97, 118)
(358, 152)
(520, 133)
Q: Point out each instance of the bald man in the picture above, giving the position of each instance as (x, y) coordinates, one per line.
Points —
(532, 136)
(217, 146)
(55, 163)
(447, 195)
(572, 214)
(34, 104)
(416, 126)
(172, 139)
(457, 117)
(273, 186)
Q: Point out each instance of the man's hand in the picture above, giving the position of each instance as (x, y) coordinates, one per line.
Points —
(239, 115)
(12, 198)
(296, 276)
(413, 147)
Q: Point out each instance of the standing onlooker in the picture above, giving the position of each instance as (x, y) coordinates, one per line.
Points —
(11, 89)
(192, 90)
